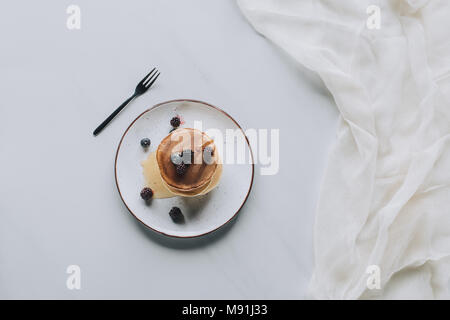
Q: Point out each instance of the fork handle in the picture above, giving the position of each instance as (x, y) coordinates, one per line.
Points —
(113, 115)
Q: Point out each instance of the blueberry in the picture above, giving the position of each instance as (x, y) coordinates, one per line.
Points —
(175, 158)
(187, 156)
(145, 143)
(208, 153)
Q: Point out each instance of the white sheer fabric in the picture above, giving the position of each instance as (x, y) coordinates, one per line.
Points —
(385, 198)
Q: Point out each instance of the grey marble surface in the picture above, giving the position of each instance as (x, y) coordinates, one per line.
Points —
(59, 205)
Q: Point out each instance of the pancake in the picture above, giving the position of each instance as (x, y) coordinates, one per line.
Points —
(199, 174)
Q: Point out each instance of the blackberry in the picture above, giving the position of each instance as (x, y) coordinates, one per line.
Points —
(181, 169)
(145, 143)
(175, 122)
(176, 215)
(146, 194)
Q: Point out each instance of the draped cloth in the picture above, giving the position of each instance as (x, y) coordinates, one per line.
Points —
(385, 196)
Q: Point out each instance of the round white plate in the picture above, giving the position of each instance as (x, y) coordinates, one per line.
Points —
(203, 214)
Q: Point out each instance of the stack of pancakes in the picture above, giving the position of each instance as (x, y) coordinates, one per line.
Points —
(203, 172)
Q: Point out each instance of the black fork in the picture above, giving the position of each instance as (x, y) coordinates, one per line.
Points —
(141, 88)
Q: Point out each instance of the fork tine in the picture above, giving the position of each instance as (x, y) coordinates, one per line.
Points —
(147, 82)
(147, 76)
(148, 85)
